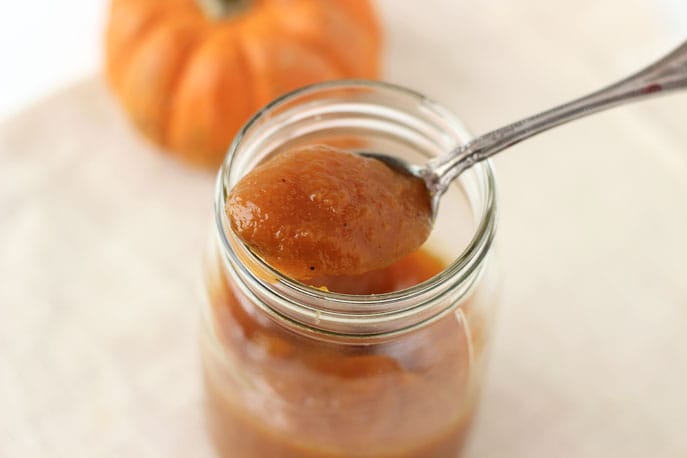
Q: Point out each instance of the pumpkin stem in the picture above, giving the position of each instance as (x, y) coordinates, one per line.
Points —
(219, 9)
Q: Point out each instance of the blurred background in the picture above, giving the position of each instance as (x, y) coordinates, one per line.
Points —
(588, 359)
(59, 43)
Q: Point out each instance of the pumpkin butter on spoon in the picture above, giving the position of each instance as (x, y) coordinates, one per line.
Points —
(319, 211)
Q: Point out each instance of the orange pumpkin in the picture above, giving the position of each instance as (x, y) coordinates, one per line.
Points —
(190, 78)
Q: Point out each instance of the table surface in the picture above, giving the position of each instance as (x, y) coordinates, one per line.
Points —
(101, 237)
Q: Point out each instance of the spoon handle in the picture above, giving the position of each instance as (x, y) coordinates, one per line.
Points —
(667, 74)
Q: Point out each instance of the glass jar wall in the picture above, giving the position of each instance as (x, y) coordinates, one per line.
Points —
(388, 364)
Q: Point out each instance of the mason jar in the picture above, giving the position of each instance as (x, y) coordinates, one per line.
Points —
(298, 370)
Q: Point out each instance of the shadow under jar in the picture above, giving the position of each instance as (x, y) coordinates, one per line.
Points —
(292, 370)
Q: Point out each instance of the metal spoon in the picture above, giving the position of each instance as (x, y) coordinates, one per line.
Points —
(667, 74)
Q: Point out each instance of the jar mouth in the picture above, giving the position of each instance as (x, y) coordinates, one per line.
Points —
(339, 308)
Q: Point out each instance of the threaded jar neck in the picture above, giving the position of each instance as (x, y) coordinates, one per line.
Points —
(360, 115)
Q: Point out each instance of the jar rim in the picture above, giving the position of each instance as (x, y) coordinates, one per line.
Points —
(348, 308)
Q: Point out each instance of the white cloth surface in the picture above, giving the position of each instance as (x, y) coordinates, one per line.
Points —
(101, 241)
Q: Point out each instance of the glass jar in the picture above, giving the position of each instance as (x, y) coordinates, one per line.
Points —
(293, 370)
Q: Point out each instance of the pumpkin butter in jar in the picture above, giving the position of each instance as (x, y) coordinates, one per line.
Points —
(376, 345)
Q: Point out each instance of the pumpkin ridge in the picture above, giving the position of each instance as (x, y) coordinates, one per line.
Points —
(320, 50)
(338, 61)
(348, 68)
(317, 48)
(124, 56)
(184, 66)
(249, 66)
(363, 13)
(183, 135)
(245, 65)
(152, 72)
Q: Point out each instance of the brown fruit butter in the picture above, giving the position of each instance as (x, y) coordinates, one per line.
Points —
(297, 397)
(323, 211)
